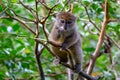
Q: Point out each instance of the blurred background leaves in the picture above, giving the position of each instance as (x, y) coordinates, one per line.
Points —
(17, 59)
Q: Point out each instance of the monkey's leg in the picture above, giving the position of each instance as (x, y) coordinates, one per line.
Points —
(77, 54)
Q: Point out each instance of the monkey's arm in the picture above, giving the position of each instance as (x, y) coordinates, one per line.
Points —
(69, 41)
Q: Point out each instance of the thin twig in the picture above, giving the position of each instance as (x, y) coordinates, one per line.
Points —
(68, 1)
(22, 16)
(37, 54)
(44, 20)
(64, 64)
(23, 23)
(38, 40)
(81, 73)
(4, 17)
(37, 20)
(44, 5)
(110, 20)
(28, 8)
(89, 16)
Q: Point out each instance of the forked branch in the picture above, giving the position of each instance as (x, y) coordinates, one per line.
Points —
(101, 39)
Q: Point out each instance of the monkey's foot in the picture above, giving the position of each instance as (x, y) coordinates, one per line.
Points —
(77, 68)
(56, 62)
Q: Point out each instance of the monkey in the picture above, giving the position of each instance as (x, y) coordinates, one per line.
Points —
(65, 32)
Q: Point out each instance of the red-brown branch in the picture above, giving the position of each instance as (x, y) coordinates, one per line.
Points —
(100, 41)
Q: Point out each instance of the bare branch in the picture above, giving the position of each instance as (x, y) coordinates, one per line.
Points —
(114, 42)
(23, 23)
(110, 20)
(64, 64)
(44, 5)
(21, 16)
(41, 73)
(100, 41)
(41, 50)
(68, 1)
(37, 54)
(37, 19)
(4, 17)
(38, 40)
(81, 73)
(42, 21)
(28, 8)
(89, 16)
(113, 20)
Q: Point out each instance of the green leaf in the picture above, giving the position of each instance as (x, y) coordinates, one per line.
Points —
(2, 75)
(16, 27)
(0, 8)
(14, 1)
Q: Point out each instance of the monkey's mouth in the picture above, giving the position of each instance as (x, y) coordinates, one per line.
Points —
(61, 28)
(61, 31)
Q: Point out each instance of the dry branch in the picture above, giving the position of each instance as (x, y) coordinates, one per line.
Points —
(23, 23)
(22, 17)
(28, 8)
(36, 33)
(41, 42)
(100, 41)
(20, 21)
(67, 65)
(37, 54)
(41, 73)
(110, 20)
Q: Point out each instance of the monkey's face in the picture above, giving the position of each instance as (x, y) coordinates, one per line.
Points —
(65, 21)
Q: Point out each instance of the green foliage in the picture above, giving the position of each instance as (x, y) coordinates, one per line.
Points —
(17, 59)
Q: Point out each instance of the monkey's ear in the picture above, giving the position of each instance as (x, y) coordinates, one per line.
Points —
(57, 14)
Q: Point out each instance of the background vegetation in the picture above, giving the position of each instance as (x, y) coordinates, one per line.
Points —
(17, 44)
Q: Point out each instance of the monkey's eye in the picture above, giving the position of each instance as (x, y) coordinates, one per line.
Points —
(62, 21)
(69, 22)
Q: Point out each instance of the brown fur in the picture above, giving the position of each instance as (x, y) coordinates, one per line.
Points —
(69, 39)
(66, 16)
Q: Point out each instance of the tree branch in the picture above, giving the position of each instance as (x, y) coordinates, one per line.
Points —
(110, 20)
(23, 23)
(41, 73)
(64, 64)
(20, 21)
(37, 54)
(22, 16)
(38, 40)
(28, 8)
(42, 21)
(100, 41)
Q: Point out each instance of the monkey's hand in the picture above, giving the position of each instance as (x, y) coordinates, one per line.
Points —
(63, 47)
(77, 68)
(61, 31)
(56, 62)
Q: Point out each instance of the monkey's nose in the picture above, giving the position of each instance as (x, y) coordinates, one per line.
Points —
(61, 28)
